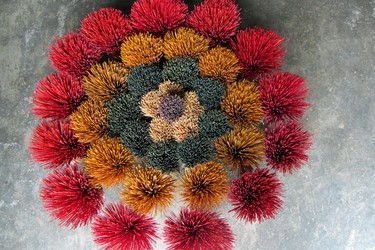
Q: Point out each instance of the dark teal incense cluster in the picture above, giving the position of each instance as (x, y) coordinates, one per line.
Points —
(181, 70)
(195, 150)
(143, 79)
(122, 109)
(210, 92)
(136, 138)
(163, 156)
(213, 124)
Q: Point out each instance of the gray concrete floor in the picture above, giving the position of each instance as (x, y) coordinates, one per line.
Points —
(329, 204)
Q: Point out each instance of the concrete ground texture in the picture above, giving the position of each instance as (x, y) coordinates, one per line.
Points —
(328, 204)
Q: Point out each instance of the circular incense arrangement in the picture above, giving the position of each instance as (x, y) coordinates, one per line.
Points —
(165, 102)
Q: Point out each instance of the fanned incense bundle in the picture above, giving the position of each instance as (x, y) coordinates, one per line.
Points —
(163, 101)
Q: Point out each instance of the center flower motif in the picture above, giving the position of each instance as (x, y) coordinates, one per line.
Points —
(171, 107)
(174, 112)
